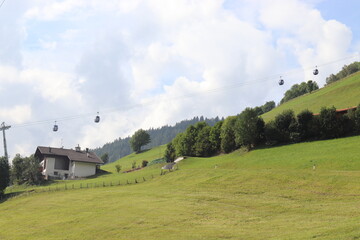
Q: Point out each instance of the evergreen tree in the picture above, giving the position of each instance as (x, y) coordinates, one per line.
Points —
(4, 174)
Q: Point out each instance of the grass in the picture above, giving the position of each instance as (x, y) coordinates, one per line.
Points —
(269, 193)
(341, 94)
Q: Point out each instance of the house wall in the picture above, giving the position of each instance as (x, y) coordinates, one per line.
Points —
(50, 169)
(82, 169)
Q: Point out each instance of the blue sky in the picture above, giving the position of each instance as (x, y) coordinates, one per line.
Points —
(148, 63)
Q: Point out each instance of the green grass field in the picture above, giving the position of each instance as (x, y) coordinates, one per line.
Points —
(269, 193)
(341, 94)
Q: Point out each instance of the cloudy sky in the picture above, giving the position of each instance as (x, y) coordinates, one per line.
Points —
(147, 63)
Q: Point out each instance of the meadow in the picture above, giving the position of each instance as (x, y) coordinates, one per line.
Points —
(268, 193)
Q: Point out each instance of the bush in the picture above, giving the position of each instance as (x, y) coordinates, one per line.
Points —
(144, 163)
(118, 168)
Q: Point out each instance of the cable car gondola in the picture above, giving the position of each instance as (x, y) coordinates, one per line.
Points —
(55, 128)
(281, 81)
(97, 118)
(316, 71)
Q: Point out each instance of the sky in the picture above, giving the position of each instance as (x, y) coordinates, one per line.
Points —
(149, 63)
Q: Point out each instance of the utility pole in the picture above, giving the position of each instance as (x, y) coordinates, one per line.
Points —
(3, 128)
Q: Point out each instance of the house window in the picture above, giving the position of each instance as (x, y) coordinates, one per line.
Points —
(55, 173)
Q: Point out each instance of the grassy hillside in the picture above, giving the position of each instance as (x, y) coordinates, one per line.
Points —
(270, 193)
(341, 94)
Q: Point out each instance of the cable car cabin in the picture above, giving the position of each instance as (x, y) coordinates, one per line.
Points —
(55, 128)
(97, 118)
(316, 71)
(281, 82)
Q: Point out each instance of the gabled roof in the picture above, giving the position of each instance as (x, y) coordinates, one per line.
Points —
(72, 155)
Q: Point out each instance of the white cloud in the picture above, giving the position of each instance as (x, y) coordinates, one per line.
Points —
(16, 114)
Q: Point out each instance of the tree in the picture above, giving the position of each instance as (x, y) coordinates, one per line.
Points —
(105, 158)
(4, 174)
(305, 123)
(249, 128)
(202, 145)
(285, 124)
(26, 170)
(214, 137)
(227, 135)
(17, 170)
(118, 168)
(32, 174)
(170, 153)
(330, 125)
(139, 139)
(268, 106)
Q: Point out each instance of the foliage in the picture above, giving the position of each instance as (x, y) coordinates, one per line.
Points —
(17, 169)
(4, 174)
(285, 124)
(345, 71)
(331, 124)
(298, 90)
(227, 135)
(268, 106)
(32, 174)
(159, 136)
(133, 165)
(144, 163)
(249, 128)
(105, 158)
(215, 137)
(203, 146)
(170, 153)
(139, 139)
(306, 125)
(354, 117)
(118, 168)
(26, 170)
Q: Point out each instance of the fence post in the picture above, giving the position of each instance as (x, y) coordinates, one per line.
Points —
(136, 181)
(80, 185)
(103, 184)
(73, 186)
(127, 181)
(144, 179)
(65, 187)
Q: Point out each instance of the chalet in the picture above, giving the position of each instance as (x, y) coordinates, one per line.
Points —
(67, 163)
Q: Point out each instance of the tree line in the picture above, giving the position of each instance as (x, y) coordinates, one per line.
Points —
(248, 129)
(297, 90)
(159, 136)
(23, 170)
(345, 71)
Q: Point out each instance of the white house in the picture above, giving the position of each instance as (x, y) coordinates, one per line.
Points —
(67, 163)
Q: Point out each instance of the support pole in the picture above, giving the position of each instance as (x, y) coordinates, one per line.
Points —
(3, 128)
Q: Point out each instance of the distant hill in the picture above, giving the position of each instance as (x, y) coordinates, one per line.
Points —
(159, 136)
(340, 94)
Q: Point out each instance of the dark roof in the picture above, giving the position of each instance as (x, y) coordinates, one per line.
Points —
(78, 156)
